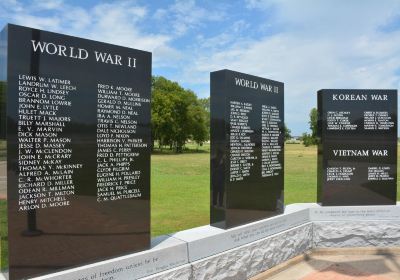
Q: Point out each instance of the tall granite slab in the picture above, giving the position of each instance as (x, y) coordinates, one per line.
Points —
(357, 153)
(247, 138)
(76, 118)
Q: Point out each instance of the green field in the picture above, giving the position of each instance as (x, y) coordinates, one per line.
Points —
(180, 186)
(180, 191)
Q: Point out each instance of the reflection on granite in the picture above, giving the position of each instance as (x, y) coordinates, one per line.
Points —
(247, 119)
(57, 123)
(357, 154)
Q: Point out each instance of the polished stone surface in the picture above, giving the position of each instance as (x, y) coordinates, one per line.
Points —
(247, 119)
(357, 154)
(78, 150)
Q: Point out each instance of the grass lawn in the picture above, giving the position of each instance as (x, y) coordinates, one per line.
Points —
(300, 173)
(180, 191)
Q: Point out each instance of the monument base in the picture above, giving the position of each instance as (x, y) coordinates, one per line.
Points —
(243, 252)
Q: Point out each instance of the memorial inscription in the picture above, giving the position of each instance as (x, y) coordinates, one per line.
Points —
(45, 169)
(246, 148)
(355, 213)
(76, 118)
(357, 154)
(206, 241)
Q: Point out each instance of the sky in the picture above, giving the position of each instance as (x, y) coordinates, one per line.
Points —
(307, 45)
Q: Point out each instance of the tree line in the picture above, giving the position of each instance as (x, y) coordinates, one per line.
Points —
(178, 115)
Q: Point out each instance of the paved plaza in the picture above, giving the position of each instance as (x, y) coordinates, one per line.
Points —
(339, 264)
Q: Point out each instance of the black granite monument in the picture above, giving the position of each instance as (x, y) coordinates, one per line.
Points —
(357, 153)
(246, 148)
(76, 117)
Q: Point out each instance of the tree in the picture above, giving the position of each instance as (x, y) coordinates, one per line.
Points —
(162, 110)
(199, 126)
(205, 103)
(177, 115)
(312, 139)
(286, 131)
(307, 139)
(314, 122)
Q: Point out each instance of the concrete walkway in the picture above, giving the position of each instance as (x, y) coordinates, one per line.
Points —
(339, 264)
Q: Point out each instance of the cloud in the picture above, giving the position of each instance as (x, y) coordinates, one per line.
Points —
(117, 23)
(37, 21)
(47, 4)
(185, 15)
(319, 44)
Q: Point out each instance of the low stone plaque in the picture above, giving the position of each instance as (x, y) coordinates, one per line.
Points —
(247, 138)
(355, 213)
(207, 240)
(357, 154)
(300, 206)
(166, 253)
(76, 118)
